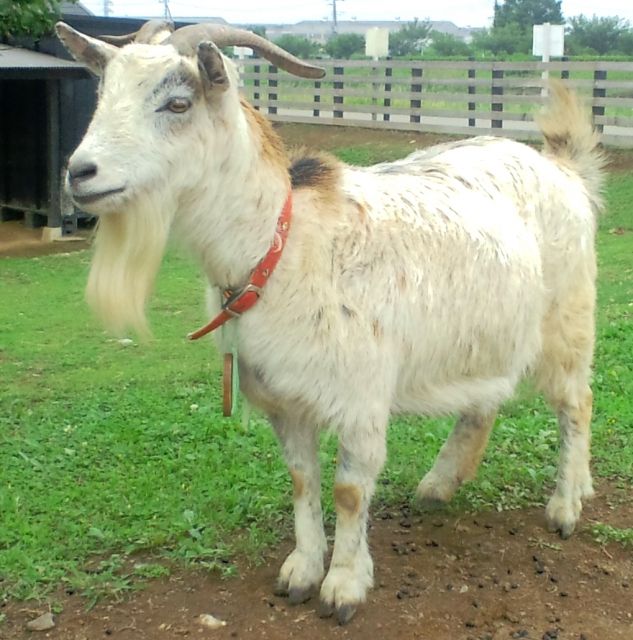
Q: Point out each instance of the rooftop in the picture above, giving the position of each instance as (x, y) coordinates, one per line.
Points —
(16, 62)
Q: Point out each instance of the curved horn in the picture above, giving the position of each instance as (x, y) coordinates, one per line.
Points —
(186, 40)
(152, 32)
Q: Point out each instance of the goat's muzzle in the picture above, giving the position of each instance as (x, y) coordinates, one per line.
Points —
(83, 183)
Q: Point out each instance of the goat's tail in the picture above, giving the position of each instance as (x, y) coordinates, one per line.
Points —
(570, 136)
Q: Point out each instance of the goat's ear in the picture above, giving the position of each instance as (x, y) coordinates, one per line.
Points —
(94, 53)
(212, 69)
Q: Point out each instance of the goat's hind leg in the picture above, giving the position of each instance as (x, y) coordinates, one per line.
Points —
(303, 570)
(458, 459)
(574, 476)
(563, 376)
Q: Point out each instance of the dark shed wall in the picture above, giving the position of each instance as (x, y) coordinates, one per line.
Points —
(23, 180)
(41, 123)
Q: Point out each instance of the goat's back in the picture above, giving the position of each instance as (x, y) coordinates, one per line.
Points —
(436, 271)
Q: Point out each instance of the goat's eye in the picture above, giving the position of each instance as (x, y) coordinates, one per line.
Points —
(177, 105)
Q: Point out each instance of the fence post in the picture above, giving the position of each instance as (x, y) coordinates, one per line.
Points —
(338, 100)
(256, 95)
(375, 88)
(416, 87)
(272, 84)
(317, 98)
(497, 74)
(564, 74)
(599, 74)
(387, 101)
(471, 90)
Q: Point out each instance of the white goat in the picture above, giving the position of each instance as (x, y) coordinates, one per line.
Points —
(427, 285)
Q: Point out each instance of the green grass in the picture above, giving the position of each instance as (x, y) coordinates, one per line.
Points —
(604, 534)
(115, 461)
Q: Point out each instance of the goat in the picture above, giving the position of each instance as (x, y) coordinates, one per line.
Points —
(430, 285)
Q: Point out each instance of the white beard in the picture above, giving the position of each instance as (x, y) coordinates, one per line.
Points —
(128, 251)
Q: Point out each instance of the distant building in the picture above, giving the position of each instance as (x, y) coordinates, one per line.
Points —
(320, 30)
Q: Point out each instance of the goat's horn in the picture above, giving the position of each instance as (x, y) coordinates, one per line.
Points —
(152, 32)
(186, 40)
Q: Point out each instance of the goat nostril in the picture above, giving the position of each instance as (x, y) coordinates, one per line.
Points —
(80, 171)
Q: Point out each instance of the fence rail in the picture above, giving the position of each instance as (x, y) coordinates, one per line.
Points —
(464, 97)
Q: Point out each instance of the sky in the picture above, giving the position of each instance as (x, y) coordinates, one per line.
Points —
(474, 13)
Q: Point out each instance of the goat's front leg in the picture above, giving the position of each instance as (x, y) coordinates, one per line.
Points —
(303, 570)
(351, 570)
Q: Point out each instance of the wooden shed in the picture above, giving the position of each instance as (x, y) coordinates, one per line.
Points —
(42, 118)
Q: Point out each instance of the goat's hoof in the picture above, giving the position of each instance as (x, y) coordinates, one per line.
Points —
(299, 577)
(345, 587)
(281, 589)
(435, 492)
(344, 613)
(428, 503)
(563, 529)
(299, 595)
(295, 595)
(326, 609)
(562, 517)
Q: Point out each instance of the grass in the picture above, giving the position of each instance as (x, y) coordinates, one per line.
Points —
(604, 534)
(115, 461)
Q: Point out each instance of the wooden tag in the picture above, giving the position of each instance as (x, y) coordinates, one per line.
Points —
(230, 385)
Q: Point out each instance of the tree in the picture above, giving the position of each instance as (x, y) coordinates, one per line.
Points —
(259, 29)
(526, 13)
(299, 46)
(502, 41)
(33, 18)
(410, 39)
(626, 43)
(345, 45)
(447, 45)
(599, 35)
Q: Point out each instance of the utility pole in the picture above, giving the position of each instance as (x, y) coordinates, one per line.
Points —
(334, 19)
(166, 11)
(107, 7)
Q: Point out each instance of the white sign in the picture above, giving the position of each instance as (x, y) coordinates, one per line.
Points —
(377, 42)
(548, 40)
(242, 52)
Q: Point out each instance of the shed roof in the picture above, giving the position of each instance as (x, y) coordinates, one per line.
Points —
(16, 63)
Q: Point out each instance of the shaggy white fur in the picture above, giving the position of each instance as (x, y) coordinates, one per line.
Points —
(427, 285)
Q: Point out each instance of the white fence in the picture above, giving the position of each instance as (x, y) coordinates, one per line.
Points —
(499, 98)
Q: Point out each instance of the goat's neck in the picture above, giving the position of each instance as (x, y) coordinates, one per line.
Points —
(231, 222)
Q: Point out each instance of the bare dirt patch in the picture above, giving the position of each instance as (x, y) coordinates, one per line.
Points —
(332, 137)
(483, 576)
(19, 241)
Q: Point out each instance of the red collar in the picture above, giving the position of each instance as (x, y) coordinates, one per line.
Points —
(236, 302)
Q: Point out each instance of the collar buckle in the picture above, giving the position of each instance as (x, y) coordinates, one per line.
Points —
(238, 301)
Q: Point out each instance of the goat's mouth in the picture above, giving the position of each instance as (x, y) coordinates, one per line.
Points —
(93, 197)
